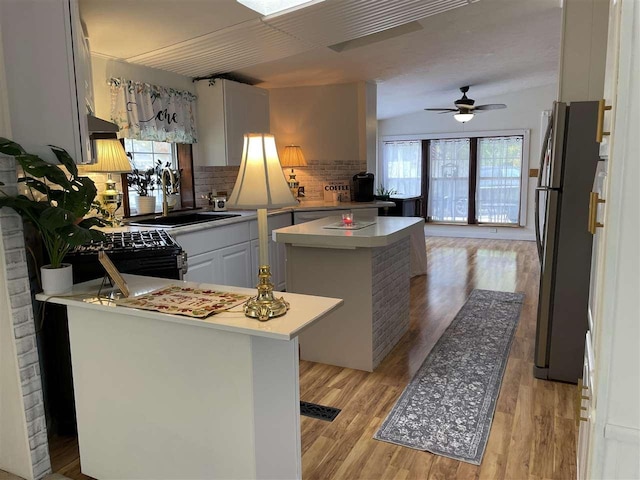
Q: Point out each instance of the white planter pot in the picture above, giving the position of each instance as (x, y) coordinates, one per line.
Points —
(56, 281)
(145, 204)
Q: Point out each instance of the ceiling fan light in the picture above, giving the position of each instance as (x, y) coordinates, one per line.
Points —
(463, 117)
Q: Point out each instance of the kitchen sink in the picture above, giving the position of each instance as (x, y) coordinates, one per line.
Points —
(183, 219)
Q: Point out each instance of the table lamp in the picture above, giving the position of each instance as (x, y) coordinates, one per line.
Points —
(261, 184)
(111, 158)
(293, 157)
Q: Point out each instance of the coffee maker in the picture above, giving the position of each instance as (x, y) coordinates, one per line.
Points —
(363, 187)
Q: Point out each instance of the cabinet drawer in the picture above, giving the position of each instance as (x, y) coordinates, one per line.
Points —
(202, 241)
(273, 221)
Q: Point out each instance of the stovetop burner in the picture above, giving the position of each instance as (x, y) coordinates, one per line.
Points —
(118, 242)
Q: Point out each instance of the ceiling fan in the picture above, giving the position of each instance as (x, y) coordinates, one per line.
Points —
(465, 108)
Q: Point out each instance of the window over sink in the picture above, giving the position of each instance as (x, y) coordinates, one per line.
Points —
(145, 155)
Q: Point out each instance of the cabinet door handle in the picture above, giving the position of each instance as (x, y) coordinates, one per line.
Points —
(594, 200)
(584, 419)
(601, 109)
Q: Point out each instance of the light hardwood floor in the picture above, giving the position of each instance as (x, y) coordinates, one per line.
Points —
(533, 434)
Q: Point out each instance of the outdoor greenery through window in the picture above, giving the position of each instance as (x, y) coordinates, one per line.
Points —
(471, 180)
(449, 180)
(494, 165)
(499, 172)
(144, 155)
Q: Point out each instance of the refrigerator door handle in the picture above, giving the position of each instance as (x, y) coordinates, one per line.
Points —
(539, 188)
(537, 223)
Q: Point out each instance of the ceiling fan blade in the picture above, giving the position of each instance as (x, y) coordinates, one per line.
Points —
(443, 110)
(491, 106)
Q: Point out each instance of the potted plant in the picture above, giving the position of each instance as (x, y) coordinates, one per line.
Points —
(173, 196)
(55, 202)
(144, 183)
(384, 193)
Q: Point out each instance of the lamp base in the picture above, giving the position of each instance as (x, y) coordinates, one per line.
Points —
(265, 305)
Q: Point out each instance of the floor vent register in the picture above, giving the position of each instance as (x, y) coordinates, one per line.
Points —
(319, 412)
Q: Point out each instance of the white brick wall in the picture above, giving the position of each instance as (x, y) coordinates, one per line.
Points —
(313, 177)
(391, 277)
(24, 326)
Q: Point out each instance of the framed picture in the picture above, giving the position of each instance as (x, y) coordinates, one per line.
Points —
(113, 273)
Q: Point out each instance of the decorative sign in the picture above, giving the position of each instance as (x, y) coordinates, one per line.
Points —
(113, 272)
(337, 191)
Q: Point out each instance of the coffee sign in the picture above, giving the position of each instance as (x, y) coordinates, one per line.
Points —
(337, 191)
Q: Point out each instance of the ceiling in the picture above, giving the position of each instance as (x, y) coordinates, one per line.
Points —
(418, 52)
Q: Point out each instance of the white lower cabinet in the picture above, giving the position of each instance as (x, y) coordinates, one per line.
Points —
(277, 253)
(201, 268)
(225, 266)
(585, 412)
(228, 255)
(235, 265)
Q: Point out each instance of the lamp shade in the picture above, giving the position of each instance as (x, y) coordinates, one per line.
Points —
(293, 157)
(111, 157)
(463, 117)
(260, 182)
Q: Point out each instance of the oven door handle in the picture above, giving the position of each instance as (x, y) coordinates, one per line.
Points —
(183, 263)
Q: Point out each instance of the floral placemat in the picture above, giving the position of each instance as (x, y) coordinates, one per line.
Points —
(179, 300)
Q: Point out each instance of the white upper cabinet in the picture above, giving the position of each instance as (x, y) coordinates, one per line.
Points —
(226, 111)
(43, 47)
(606, 113)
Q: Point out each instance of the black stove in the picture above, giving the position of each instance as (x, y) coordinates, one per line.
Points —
(150, 252)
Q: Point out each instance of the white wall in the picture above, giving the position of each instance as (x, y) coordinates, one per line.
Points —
(524, 111)
(15, 454)
(583, 50)
(323, 120)
(104, 68)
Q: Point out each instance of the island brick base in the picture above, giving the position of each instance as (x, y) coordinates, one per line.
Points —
(390, 273)
(374, 284)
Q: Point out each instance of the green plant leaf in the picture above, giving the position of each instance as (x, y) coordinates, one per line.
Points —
(75, 235)
(36, 184)
(38, 168)
(65, 159)
(24, 206)
(10, 148)
(92, 222)
(53, 218)
(83, 192)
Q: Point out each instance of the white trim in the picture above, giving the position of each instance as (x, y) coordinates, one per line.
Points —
(478, 231)
(622, 434)
(445, 135)
(5, 121)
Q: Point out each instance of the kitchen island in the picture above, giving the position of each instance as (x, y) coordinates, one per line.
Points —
(370, 269)
(162, 396)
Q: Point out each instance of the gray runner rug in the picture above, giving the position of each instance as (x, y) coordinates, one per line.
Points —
(448, 406)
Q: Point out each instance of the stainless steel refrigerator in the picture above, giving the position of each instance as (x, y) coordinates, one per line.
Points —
(567, 168)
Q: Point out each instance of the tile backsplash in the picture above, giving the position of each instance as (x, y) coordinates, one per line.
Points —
(311, 177)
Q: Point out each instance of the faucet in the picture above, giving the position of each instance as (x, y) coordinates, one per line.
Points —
(172, 181)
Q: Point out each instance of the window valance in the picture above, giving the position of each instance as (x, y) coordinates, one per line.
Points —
(151, 112)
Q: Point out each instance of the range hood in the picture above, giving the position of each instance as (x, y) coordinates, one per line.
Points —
(101, 129)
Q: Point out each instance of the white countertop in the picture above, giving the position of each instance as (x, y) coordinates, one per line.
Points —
(304, 311)
(386, 231)
(247, 215)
